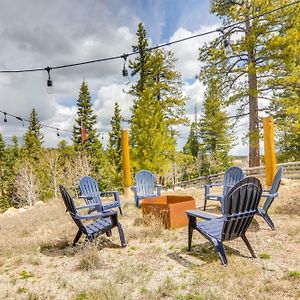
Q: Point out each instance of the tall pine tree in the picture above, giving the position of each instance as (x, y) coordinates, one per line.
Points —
(285, 48)
(140, 65)
(157, 97)
(215, 130)
(33, 138)
(245, 74)
(114, 145)
(154, 146)
(86, 120)
(192, 146)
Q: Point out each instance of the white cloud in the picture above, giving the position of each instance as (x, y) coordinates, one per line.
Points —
(104, 105)
(188, 52)
(37, 34)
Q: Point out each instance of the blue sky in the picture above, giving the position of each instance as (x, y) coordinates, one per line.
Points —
(163, 18)
(42, 33)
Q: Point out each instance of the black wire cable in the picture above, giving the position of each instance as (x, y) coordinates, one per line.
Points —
(43, 125)
(151, 48)
(26, 120)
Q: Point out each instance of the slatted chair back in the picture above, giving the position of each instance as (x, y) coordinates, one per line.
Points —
(88, 185)
(273, 190)
(144, 181)
(231, 177)
(240, 206)
(71, 208)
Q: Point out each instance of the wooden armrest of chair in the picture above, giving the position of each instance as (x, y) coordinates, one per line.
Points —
(87, 206)
(98, 215)
(270, 195)
(114, 193)
(213, 184)
(202, 215)
(86, 196)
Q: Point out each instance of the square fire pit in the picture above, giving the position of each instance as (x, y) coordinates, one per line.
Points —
(170, 209)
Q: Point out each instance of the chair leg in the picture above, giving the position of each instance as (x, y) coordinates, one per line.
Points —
(121, 234)
(248, 246)
(221, 252)
(120, 209)
(205, 201)
(267, 218)
(77, 237)
(190, 235)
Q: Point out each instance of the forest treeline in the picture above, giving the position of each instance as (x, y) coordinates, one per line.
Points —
(251, 67)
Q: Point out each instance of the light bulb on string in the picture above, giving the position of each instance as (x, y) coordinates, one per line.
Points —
(226, 43)
(227, 48)
(20, 119)
(5, 118)
(49, 81)
(125, 71)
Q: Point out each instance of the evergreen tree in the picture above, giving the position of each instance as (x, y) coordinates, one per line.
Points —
(285, 48)
(66, 152)
(115, 146)
(86, 119)
(8, 158)
(191, 146)
(215, 130)
(154, 146)
(2, 164)
(157, 97)
(166, 85)
(33, 138)
(14, 149)
(140, 64)
(246, 74)
(286, 109)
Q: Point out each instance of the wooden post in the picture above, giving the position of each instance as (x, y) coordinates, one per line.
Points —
(126, 164)
(269, 145)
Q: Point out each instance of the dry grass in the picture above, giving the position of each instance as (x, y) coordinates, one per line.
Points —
(37, 260)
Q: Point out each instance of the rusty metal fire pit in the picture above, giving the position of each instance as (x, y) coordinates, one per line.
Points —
(170, 209)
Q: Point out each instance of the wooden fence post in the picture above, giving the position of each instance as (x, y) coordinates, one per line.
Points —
(126, 164)
(269, 147)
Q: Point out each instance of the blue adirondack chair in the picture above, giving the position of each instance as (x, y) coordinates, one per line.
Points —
(240, 206)
(100, 222)
(89, 191)
(270, 195)
(145, 186)
(231, 176)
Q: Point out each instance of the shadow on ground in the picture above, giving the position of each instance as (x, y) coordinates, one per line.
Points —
(201, 255)
(65, 248)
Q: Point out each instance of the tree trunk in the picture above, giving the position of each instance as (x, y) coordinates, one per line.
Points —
(254, 155)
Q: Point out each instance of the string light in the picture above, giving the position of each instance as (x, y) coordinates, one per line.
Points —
(26, 120)
(20, 119)
(227, 48)
(149, 49)
(58, 130)
(125, 71)
(49, 81)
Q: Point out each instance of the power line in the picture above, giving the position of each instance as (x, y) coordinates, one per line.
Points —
(125, 55)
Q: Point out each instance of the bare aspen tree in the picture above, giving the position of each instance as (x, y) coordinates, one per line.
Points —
(26, 185)
(75, 169)
(52, 158)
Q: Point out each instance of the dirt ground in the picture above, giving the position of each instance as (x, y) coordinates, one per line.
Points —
(37, 260)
